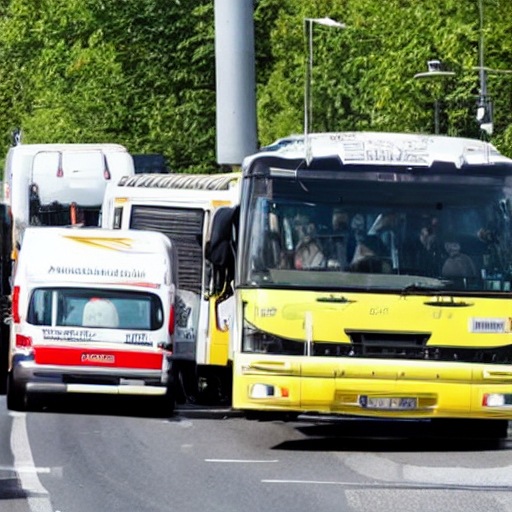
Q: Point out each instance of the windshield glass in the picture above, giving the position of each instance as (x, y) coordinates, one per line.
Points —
(372, 235)
(75, 307)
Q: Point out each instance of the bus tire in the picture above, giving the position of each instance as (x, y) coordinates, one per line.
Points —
(471, 428)
(489, 429)
(16, 395)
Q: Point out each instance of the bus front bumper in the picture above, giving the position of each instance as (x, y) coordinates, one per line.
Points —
(372, 387)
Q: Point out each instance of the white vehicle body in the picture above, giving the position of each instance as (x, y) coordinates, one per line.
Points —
(93, 312)
(181, 206)
(43, 176)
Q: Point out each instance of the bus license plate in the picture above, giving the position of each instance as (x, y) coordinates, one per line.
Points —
(394, 403)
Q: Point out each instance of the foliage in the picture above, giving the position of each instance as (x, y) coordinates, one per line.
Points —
(142, 72)
(363, 76)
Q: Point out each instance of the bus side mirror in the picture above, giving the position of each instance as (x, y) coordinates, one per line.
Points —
(220, 249)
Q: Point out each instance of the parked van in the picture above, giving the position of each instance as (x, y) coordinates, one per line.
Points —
(93, 312)
(60, 184)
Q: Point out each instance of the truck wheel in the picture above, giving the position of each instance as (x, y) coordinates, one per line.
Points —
(16, 396)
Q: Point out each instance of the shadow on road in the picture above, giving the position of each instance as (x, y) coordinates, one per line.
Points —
(354, 435)
(145, 407)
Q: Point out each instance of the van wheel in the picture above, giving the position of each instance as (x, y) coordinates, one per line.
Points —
(16, 396)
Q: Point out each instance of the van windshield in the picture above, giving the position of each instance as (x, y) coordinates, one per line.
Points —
(113, 309)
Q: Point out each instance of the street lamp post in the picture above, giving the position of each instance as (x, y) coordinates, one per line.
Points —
(484, 107)
(434, 72)
(308, 87)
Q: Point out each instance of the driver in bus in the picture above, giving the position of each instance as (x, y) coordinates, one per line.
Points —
(308, 253)
(457, 264)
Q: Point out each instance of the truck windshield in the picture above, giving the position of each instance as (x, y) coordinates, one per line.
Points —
(434, 234)
(75, 307)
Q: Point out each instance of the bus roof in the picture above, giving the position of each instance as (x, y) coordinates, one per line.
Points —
(396, 149)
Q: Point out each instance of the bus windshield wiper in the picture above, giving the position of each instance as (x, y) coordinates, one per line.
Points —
(419, 287)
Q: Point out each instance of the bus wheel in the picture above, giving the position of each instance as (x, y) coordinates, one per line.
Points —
(489, 429)
(471, 428)
(16, 396)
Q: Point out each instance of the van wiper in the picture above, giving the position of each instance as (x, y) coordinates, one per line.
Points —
(420, 287)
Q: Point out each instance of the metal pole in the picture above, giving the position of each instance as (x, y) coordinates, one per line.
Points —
(308, 86)
(235, 81)
(436, 116)
(483, 84)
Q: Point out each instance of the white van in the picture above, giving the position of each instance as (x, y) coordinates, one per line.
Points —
(93, 312)
(61, 184)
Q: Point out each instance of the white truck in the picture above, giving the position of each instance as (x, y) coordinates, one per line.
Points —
(93, 312)
(181, 206)
(60, 184)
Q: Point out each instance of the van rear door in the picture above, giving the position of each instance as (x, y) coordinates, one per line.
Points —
(70, 176)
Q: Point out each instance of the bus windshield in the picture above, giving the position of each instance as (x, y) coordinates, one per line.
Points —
(429, 235)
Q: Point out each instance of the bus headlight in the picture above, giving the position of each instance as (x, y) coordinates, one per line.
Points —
(497, 400)
(259, 391)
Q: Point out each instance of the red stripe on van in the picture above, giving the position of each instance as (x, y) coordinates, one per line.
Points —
(74, 356)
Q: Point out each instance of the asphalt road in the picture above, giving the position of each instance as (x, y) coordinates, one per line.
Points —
(107, 456)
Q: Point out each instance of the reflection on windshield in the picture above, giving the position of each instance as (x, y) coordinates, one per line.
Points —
(382, 239)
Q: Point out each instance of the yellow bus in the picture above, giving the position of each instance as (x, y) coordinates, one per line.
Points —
(373, 278)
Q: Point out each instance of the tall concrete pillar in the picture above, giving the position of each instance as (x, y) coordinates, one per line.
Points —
(236, 81)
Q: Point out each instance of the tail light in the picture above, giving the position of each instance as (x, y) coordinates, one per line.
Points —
(16, 305)
(23, 341)
(72, 213)
(106, 171)
(60, 172)
(171, 321)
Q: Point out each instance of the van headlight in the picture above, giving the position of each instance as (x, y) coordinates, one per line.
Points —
(261, 342)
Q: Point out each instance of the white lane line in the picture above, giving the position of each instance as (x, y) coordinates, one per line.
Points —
(23, 459)
(27, 469)
(242, 461)
(393, 485)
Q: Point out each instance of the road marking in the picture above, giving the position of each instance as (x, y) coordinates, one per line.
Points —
(243, 461)
(396, 485)
(382, 469)
(38, 497)
(27, 469)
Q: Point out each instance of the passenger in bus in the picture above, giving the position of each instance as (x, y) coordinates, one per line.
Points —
(308, 253)
(458, 264)
(337, 241)
(370, 257)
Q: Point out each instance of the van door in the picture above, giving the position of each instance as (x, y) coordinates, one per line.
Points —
(70, 176)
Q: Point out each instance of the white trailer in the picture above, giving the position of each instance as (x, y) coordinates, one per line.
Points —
(60, 184)
(93, 312)
(181, 206)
